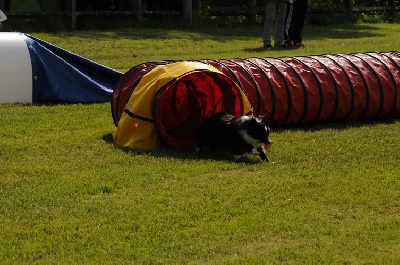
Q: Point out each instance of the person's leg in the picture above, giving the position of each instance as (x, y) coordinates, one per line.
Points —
(7, 5)
(280, 23)
(269, 23)
(296, 27)
(289, 11)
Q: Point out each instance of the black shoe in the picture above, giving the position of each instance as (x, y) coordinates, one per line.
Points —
(288, 45)
(298, 45)
(267, 46)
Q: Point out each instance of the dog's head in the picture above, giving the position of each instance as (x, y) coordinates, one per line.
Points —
(260, 130)
(256, 131)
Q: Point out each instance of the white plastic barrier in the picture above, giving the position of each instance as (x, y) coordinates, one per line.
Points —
(15, 69)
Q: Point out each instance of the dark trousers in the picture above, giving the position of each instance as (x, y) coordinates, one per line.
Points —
(7, 4)
(295, 21)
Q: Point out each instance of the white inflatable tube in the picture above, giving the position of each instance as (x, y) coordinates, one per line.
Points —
(3, 16)
(15, 69)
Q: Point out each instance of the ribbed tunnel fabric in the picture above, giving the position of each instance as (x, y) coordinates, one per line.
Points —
(299, 90)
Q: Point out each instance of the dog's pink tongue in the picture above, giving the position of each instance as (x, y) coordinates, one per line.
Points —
(267, 146)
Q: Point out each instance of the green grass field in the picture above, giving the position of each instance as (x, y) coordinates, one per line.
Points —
(68, 195)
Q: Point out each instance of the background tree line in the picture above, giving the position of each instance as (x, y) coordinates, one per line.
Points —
(176, 5)
(314, 4)
(214, 12)
(170, 5)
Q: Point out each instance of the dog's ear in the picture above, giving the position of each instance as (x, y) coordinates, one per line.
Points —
(263, 119)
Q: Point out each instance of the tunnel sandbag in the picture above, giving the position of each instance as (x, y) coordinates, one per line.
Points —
(171, 101)
(126, 85)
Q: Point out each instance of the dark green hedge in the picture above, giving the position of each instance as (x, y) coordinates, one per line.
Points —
(314, 4)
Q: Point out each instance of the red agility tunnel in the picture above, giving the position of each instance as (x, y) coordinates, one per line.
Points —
(296, 91)
(172, 101)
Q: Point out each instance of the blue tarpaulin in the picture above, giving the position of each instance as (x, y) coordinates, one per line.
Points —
(59, 76)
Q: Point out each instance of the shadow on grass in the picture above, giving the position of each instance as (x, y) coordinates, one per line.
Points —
(344, 125)
(336, 31)
(343, 31)
(215, 155)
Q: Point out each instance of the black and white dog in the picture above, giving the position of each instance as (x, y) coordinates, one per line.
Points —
(239, 134)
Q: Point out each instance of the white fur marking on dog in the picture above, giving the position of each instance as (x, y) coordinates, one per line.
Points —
(250, 140)
(244, 118)
(254, 151)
